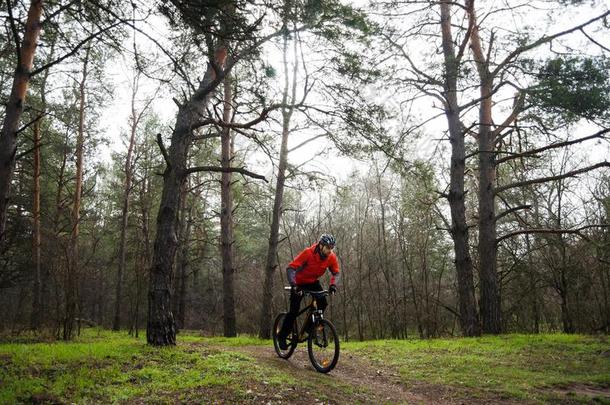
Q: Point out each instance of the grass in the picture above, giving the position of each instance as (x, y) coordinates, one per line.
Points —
(111, 367)
(511, 366)
(102, 366)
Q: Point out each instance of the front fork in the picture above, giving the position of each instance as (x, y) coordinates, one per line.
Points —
(316, 318)
(313, 319)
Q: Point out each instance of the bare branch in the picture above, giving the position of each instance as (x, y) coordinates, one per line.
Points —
(511, 210)
(14, 32)
(74, 50)
(206, 136)
(59, 11)
(163, 151)
(573, 173)
(533, 152)
(27, 152)
(240, 170)
(517, 106)
(405, 55)
(128, 22)
(306, 142)
(594, 41)
(32, 122)
(263, 116)
(577, 231)
(544, 40)
(464, 43)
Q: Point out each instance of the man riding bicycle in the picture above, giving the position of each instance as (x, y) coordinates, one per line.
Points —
(303, 274)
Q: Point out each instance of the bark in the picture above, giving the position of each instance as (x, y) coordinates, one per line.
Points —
(160, 329)
(56, 264)
(73, 254)
(409, 267)
(128, 169)
(14, 107)
(271, 262)
(182, 261)
(532, 286)
(40, 279)
(226, 219)
(143, 262)
(489, 289)
(37, 293)
(565, 282)
(469, 318)
(425, 283)
(383, 263)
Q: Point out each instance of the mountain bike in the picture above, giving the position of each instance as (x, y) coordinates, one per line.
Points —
(320, 334)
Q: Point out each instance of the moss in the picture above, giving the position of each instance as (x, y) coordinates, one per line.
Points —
(515, 366)
(107, 367)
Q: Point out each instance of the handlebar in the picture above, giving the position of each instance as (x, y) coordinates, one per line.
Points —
(313, 293)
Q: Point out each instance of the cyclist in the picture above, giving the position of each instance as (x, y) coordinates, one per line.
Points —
(303, 274)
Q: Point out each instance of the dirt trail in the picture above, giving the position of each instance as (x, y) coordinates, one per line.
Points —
(354, 380)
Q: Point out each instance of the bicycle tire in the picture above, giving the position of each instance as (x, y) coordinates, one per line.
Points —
(323, 346)
(277, 326)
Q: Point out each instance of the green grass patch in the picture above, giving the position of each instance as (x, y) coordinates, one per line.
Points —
(516, 366)
(241, 340)
(109, 367)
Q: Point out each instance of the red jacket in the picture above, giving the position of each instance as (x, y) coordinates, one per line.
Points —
(308, 267)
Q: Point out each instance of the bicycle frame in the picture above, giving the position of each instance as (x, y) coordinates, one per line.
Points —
(313, 315)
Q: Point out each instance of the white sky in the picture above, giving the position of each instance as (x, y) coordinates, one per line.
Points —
(115, 117)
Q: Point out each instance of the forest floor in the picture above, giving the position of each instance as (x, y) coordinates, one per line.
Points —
(354, 380)
(111, 367)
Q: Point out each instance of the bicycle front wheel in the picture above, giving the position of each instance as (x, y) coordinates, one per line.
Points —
(323, 346)
(292, 344)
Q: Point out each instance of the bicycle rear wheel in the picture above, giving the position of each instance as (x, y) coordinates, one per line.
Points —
(323, 346)
(292, 343)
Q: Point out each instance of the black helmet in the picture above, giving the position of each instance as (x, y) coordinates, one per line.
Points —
(328, 240)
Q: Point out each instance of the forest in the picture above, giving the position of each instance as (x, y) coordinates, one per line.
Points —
(162, 162)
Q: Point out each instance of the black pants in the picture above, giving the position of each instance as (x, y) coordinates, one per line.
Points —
(295, 306)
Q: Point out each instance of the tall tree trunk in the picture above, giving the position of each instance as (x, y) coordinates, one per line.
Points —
(37, 293)
(359, 260)
(384, 265)
(14, 108)
(56, 262)
(226, 219)
(426, 288)
(532, 286)
(409, 269)
(128, 169)
(566, 317)
(160, 329)
(489, 289)
(182, 260)
(271, 262)
(73, 254)
(565, 285)
(469, 318)
(143, 262)
(40, 279)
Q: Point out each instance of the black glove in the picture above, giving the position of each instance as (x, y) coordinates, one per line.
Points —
(296, 290)
(332, 289)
